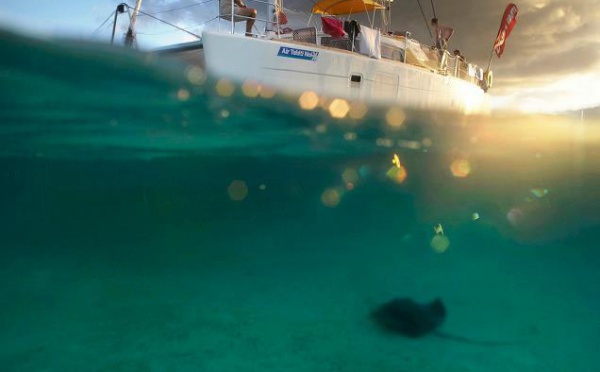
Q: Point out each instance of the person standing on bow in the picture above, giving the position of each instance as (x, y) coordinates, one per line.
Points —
(442, 34)
(240, 13)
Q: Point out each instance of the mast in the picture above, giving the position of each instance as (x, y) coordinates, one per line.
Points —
(130, 36)
(120, 9)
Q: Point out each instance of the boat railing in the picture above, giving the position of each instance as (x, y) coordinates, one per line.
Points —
(268, 24)
(399, 47)
(402, 48)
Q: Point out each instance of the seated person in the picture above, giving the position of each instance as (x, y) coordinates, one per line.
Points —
(240, 11)
(458, 55)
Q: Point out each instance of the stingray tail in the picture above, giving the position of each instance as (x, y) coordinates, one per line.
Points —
(472, 341)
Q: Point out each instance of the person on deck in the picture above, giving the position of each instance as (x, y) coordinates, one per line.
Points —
(458, 55)
(240, 11)
(442, 34)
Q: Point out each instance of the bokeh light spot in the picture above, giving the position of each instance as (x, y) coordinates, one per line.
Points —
(397, 174)
(350, 175)
(324, 103)
(460, 168)
(225, 88)
(539, 192)
(440, 243)
(339, 108)
(308, 100)
(321, 128)
(250, 89)
(396, 161)
(267, 92)
(384, 142)
(357, 110)
(183, 94)
(408, 144)
(238, 190)
(196, 75)
(331, 197)
(515, 216)
(364, 171)
(395, 117)
(350, 136)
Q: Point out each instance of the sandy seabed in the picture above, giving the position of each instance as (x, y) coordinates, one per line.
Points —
(297, 299)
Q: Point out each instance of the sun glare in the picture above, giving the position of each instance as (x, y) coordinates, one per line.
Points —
(569, 93)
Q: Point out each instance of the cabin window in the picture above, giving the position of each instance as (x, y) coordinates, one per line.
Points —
(397, 55)
(355, 80)
(393, 53)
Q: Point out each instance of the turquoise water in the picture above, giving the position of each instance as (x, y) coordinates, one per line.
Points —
(150, 221)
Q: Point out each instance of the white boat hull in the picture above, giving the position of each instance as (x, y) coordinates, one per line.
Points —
(296, 68)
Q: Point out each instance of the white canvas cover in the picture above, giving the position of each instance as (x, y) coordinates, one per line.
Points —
(370, 42)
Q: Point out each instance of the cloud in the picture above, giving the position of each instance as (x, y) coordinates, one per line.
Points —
(554, 44)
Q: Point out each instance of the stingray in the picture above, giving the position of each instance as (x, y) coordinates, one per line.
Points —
(411, 319)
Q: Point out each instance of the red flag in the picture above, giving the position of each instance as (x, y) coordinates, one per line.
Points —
(509, 20)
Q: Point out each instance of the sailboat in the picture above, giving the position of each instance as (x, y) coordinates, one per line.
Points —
(371, 64)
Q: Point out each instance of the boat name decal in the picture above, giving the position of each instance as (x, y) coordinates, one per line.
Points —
(307, 55)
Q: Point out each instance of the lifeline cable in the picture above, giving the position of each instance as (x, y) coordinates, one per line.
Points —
(425, 19)
(167, 32)
(184, 7)
(167, 23)
(103, 23)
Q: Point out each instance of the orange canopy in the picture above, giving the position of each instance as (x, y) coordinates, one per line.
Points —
(341, 7)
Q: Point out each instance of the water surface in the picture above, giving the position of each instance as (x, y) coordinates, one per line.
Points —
(155, 220)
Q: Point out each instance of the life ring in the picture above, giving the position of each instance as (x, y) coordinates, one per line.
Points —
(488, 80)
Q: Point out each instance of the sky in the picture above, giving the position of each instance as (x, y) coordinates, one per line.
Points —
(551, 61)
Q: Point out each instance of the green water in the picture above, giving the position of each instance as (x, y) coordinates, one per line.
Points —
(146, 229)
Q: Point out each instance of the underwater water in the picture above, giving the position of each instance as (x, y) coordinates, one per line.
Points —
(156, 220)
